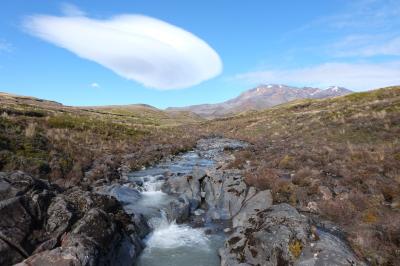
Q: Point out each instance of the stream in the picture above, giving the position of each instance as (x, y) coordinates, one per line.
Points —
(194, 243)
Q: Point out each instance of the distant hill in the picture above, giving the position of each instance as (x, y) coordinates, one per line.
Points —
(262, 97)
(143, 114)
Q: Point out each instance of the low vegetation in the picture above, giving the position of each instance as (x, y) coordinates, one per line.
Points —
(338, 158)
(72, 146)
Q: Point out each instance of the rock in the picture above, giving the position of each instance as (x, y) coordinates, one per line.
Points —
(254, 203)
(325, 192)
(199, 212)
(122, 193)
(46, 226)
(15, 223)
(179, 209)
(328, 250)
(59, 217)
(270, 237)
(312, 206)
(225, 193)
(185, 185)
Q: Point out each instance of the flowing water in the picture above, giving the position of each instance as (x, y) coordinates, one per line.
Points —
(169, 243)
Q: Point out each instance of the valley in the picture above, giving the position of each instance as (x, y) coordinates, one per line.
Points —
(323, 173)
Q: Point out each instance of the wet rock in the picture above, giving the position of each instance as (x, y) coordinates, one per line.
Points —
(185, 185)
(122, 193)
(179, 209)
(199, 212)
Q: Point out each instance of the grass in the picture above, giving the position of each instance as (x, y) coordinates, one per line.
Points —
(71, 145)
(341, 155)
(349, 145)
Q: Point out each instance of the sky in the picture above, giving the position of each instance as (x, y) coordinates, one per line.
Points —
(178, 52)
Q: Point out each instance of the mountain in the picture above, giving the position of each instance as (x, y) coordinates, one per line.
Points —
(262, 97)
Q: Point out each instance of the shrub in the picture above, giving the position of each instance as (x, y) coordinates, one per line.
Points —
(295, 248)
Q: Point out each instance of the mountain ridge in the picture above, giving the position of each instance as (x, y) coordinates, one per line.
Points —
(262, 97)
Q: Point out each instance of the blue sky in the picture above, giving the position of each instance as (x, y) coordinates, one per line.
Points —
(222, 48)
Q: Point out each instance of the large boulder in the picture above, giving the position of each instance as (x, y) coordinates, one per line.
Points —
(15, 224)
(179, 209)
(228, 197)
(189, 185)
(275, 236)
(47, 226)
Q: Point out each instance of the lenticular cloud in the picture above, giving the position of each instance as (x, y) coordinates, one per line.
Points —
(140, 48)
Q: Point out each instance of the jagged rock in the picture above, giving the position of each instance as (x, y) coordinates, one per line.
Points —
(225, 193)
(46, 226)
(269, 237)
(186, 185)
(59, 217)
(15, 223)
(255, 202)
(328, 250)
(179, 209)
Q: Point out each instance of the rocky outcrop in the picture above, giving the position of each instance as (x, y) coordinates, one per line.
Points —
(261, 233)
(274, 236)
(280, 235)
(42, 225)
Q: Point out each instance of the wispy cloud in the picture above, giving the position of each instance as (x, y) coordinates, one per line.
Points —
(366, 46)
(363, 28)
(357, 76)
(94, 85)
(360, 15)
(347, 49)
(140, 48)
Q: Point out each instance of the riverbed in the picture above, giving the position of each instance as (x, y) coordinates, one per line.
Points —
(169, 243)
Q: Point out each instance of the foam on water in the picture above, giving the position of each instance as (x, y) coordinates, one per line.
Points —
(169, 235)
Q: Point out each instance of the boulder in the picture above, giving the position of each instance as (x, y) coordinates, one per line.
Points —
(47, 226)
(179, 209)
(255, 202)
(274, 236)
(59, 217)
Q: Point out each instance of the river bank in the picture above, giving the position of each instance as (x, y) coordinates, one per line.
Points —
(191, 209)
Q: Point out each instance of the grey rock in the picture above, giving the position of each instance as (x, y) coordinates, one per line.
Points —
(59, 217)
(328, 250)
(74, 227)
(265, 238)
(179, 209)
(255, 202)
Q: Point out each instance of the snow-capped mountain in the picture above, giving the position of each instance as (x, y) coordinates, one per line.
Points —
(262, 97)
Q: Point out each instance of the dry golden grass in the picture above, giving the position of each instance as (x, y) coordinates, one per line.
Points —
(341, 153)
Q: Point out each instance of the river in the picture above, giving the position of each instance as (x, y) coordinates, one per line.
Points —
(195, 242)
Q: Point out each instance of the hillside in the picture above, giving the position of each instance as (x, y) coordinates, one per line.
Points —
(71, 145)
(336, 158)
(262, 97)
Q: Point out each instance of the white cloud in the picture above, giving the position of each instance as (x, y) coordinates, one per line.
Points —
(140, 48)
(357, 76)
(94, 85)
